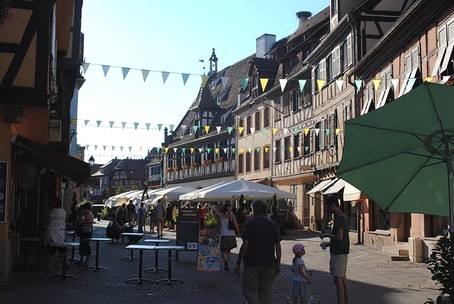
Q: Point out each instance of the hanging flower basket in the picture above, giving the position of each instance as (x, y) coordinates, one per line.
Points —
(194, 165)
(220, 159)
(184, 166)
(207, 162)
(168, 170)
(175, 169)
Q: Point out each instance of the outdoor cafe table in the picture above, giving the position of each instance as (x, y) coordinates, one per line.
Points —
(97, 240)
(156, 243)
(169, 249)
(131, 236)
(73, 235)
(64, 275)
(141, 248)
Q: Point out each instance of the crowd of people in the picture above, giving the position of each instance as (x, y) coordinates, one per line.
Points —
(260, 226)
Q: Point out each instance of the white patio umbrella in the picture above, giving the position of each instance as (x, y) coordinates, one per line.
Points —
(173, 194)
(249, 190)
(126, 197)
(111, 201)
(193, 195)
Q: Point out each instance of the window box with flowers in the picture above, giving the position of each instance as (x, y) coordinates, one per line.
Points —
(175, 169)
(168, 170)
(194, 165)
(207, 162)
(184, 166)
(220, 159)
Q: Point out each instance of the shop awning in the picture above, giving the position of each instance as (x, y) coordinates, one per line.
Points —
(351, 193)
(335, 187)
(322, 186)
(61, 163)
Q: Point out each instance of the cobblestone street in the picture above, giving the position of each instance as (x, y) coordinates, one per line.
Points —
(374, 278)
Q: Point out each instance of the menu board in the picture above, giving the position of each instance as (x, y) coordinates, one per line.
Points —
(188, 228)
(3, 194)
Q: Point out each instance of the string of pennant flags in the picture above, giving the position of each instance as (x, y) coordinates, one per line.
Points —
(244, 80)
(286, 131)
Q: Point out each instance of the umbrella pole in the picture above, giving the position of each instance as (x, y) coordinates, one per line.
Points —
(451, 220)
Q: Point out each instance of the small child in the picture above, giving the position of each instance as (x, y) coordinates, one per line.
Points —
(301, 278)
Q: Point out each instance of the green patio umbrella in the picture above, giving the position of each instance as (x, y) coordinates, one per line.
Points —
(401, 155)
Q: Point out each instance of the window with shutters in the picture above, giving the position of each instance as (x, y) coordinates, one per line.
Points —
(257, 120)
(266, 117)
(248, 161)
(277, 151)
(296, 145)
(266, 157)
(240, 163)
(256, 159)
(287, 146)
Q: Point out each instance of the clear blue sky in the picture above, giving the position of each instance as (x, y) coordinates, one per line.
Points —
(171, 36)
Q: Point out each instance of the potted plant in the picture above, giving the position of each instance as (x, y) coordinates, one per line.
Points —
(212, 221)
(441, 265)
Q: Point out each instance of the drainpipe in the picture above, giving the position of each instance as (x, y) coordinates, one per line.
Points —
(351, 21)
(356, 112)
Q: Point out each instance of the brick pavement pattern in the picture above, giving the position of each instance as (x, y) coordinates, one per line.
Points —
(374, 278)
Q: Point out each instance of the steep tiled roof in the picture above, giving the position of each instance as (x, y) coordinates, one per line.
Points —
(134, 168)
(314, 21)
(219, 99)
(107, 169)
(265, 65)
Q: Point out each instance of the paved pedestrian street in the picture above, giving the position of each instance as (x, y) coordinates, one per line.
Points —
(374, 278)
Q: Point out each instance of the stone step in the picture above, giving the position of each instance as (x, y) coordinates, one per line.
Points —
(400, 258)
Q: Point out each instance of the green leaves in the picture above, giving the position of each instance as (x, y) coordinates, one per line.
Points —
(441, 264)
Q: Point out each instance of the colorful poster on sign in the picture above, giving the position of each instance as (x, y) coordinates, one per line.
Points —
(208, 257)
(3, 188)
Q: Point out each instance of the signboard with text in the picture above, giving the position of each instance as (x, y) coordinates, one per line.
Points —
(3, 189)
(188, 228)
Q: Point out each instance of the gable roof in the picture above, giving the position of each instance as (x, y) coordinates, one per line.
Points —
(215, 97)
(134, 168)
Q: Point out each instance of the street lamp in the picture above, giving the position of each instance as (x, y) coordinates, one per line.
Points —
(91, 161)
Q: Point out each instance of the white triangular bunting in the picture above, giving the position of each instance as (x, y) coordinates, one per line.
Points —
(283, 83)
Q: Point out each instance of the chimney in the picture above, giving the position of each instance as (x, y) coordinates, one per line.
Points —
(303, 16)
(263, 44)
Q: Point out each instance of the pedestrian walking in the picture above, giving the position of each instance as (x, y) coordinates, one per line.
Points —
(141, 217)
(301, 277)
(86, 228)
(229, 230)
(158, 213)
(169, 217)
(261, 251)
(339, 248)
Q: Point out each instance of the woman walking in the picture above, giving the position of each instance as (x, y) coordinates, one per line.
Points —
(85, 233)
(228, 232)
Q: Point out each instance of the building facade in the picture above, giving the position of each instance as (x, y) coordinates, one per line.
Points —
(40, 57)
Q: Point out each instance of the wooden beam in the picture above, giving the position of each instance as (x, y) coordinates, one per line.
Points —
(8, 47)
(16, 63)
(43, 44)
(22, 97)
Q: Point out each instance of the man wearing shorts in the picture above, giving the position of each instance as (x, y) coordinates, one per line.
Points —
(339, 248)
